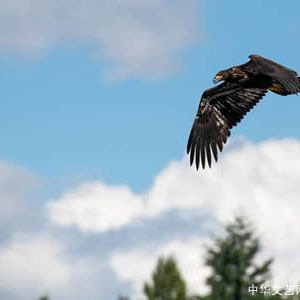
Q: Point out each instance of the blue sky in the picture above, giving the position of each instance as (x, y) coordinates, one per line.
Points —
(98, 98)
(62, 116)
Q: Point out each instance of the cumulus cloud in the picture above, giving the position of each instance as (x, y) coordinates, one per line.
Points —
(32, 265)
(104, 207)
(32, 260)
(137, 37)
(35, 264)
(261, 180)
(250, 177)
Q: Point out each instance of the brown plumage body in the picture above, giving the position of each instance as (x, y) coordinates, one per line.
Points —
(281, 79)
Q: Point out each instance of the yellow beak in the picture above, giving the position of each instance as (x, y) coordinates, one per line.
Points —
(217, 78)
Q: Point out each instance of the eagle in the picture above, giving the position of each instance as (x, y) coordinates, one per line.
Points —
(224, 106)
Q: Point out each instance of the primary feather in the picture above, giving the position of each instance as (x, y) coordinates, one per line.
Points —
(220, 108)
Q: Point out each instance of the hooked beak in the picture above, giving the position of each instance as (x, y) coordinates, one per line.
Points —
(217, 78)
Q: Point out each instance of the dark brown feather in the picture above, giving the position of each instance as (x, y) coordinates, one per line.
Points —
(280, 74)
(220, 108)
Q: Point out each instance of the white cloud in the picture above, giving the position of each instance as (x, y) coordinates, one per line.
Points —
(259, 180)
(96, 207)
(138, 37)
(34, 264)
(249, 177)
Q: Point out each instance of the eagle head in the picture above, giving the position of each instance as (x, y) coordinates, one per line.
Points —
(231, 75)
(222, 75)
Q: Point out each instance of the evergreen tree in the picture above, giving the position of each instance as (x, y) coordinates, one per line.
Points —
(123, 298)
(44, 298)
(232, 260)
(167, 283)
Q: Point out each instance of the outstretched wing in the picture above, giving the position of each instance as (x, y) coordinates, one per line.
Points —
(220, 108)
(286, 81)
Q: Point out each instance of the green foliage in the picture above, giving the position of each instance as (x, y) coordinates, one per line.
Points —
(232, 260)
(44, 298)
(167, 283)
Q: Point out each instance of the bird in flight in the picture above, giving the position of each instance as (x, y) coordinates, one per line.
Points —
(225, 105)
